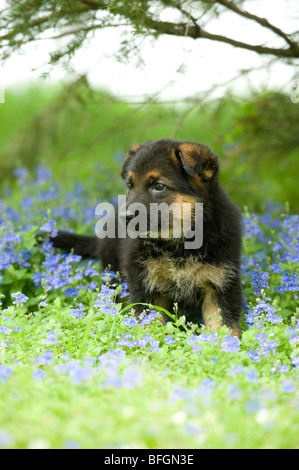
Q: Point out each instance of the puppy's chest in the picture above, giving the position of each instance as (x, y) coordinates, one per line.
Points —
(164, 274)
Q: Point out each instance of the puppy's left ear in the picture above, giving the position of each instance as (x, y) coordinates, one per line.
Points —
(197, 159)
(130, 154)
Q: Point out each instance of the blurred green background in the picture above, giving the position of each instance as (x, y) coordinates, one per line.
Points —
(82, 133)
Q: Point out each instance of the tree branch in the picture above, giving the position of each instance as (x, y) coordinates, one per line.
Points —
(262, 21)
(196, 32)
(26, 30)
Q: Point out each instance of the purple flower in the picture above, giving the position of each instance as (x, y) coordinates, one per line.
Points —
(21, 175)
(295, 362)
(78, 312)
(169, 340)
(46, 358)
(43, 174)
(266, 345)
(234, 392)
(130, 322)
(5, 330)
(288, 386)
(124, 290)
(5, 372)
(50, 227)
(51, 338)
(230, 344)
(259, 280)
(108, 275)
(19, 298)
(290, 283)
(147, 319)
(254, 356)
(251, 227)
(39, 374)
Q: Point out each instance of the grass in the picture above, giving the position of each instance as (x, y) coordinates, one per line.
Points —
(78, 372)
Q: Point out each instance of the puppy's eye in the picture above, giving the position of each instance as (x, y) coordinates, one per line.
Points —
(159, 186)
(129, 185)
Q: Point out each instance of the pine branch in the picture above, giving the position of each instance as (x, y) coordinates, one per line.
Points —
(80, 17)
(262, 21)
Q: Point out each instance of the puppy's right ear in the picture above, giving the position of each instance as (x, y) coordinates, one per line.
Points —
(130, 154)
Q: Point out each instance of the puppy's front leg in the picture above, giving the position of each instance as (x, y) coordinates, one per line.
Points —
(215, 312)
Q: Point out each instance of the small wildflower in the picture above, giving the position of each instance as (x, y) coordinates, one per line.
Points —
(46, 358)
(169, 340)
(5, 372)
(50, 227)
(39, 374)
(78, 312)
(19, 298)
(230, 344)
(51, 338)
(288, 386)
(130, 322)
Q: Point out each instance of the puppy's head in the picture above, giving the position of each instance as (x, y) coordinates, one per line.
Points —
(170, 172)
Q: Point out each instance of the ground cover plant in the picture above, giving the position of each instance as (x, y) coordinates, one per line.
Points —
(78, 371)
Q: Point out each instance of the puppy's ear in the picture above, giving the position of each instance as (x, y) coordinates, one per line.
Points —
(130, 154)
(197, 159)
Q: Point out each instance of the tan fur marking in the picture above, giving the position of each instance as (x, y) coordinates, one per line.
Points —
(235, 331)
(188, 151)
(161, 271)
(152, 174)
(210, 311)
(208, 173)
(131, 175)
(173, 157)
(184, 199)
(134, 148)
(160, 301)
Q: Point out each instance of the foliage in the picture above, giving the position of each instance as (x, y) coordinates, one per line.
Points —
(77, 370)
(78, 127)
(26, 21)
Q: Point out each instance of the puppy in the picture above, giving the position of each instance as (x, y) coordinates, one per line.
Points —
(166, 269)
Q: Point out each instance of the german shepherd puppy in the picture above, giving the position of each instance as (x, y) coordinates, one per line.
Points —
(163, 271)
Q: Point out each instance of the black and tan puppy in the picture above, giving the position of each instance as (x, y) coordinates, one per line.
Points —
(163, 271)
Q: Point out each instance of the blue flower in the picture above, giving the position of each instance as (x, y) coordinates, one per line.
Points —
(230, 344)
(234, 392)
(78, 312)
(147, 319)
(288, 386)
(20, 298)
(169, 340)
(251, 227)
(5, 330)
(5, 372)
(46, 358)
(51, 338)
(50, 227)
(290, 283)
(130, 322)
(295, 362)
(254, 356)
(39, 374)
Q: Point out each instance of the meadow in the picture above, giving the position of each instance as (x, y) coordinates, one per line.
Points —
(76, 369)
